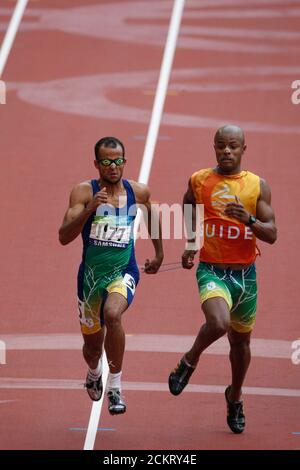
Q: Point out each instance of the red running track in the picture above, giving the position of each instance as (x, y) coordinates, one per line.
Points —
(80, 72)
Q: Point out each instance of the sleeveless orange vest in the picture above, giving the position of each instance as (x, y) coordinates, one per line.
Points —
(226, 240)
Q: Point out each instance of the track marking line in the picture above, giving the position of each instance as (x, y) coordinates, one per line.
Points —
(159, 100)
(72, 384)
(11, 33)
(161, 90)
(96, 411)
(156, 342)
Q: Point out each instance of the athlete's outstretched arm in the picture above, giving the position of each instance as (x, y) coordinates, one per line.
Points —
(81, 205)
(264, 228)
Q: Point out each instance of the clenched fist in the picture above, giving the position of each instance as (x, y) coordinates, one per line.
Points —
(99, 198)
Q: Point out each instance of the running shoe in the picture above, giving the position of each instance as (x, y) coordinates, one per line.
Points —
(235, 414)
(116, 405)
(179, 378)
(94, 387)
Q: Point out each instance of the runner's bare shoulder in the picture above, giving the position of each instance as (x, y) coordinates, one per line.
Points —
(141, 191)
(82, 191)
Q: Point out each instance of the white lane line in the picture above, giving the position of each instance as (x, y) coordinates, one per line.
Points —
(260, 347)
(64, 384)
(159, 100)
(161, 90)
(193, 388)
(11, 33)
(96, 411)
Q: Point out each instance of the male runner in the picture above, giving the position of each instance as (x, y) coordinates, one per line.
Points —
(103, 210)
(237, 210)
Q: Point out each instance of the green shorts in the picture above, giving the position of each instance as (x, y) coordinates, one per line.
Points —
(237, 287)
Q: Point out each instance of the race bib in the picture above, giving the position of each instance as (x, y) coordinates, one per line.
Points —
(104, 232)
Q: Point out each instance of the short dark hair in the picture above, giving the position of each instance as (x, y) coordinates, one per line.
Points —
(111, 142)
(231, 127)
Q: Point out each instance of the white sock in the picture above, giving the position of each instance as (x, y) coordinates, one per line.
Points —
(95, 373)
(114, 380)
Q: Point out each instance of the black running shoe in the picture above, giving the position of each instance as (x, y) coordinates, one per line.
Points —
(94, 388)
(116, 405)
(235, 414)
(180, 377)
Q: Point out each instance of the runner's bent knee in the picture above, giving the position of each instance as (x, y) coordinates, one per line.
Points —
(112, 316)
(219, 325)
(217, 315)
